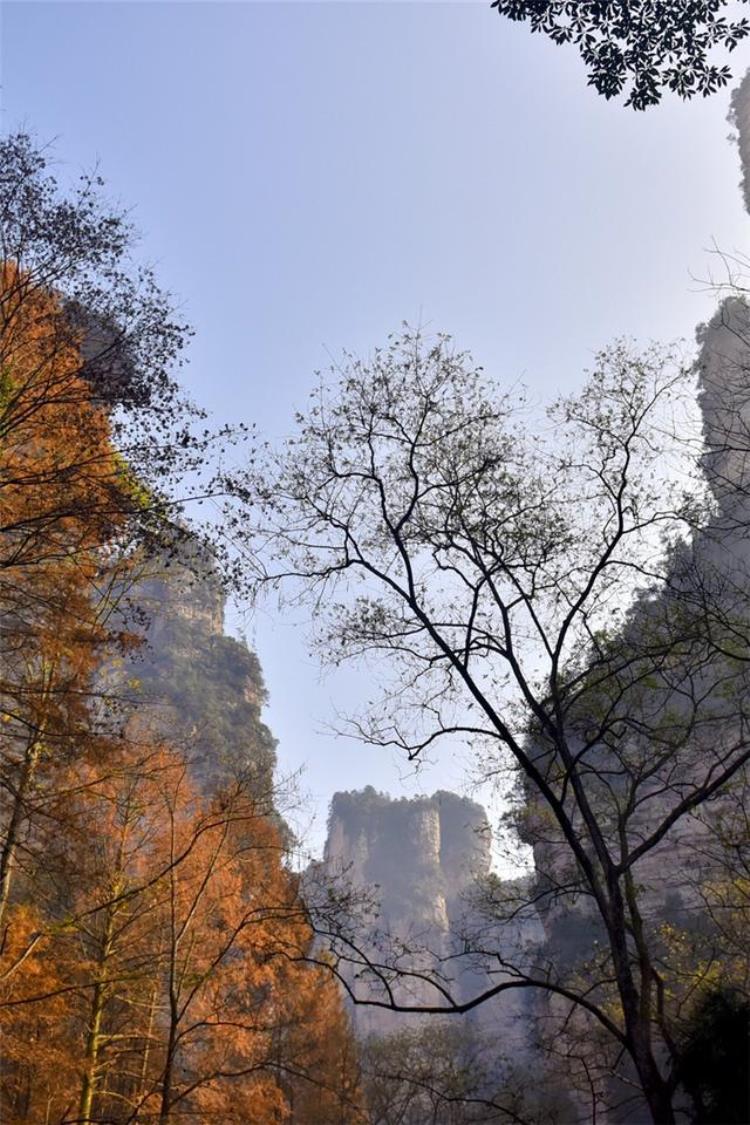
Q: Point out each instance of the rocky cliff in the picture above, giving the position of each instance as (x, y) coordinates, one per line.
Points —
(422, 854)
(425, 863)
(199, 686)
(740, 118)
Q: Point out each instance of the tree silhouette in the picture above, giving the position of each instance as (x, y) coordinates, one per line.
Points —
(641, 48)
(497, 569)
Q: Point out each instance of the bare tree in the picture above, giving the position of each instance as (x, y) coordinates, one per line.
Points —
(558, 596)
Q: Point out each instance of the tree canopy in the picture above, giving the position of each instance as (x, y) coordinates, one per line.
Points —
(639, 48)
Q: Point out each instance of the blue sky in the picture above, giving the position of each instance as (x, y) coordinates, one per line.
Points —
(306, 176)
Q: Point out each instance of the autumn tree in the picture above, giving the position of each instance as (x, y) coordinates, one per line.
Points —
(323, 1079)
(97, 439)
(114, 851)
(565, 600)
(164, 972)
(110, 336)
(151, 937)
(61, 488)
(71, 513)
(246, 1024)
(40, 1062)
(94, 907)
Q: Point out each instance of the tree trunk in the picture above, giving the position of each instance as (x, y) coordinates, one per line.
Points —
(146, 1047)
(636, 1012)
(93, 1042)
(94, 1036)
(7, 856)
(166, 1085)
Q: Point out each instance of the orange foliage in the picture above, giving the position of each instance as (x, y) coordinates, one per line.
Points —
(38, 1071)
(62, 502)
(62, 485)
(170, 986)
(152, 941)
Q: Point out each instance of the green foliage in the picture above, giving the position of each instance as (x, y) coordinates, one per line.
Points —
(142, 497)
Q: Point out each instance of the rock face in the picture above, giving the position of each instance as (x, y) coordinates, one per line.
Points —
(201, 687)
(423, 853)
(422, 861)
(740, 118)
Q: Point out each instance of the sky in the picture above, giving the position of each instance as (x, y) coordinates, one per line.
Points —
(306, 176)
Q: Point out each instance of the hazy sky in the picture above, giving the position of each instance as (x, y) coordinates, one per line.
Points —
(306, 176)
